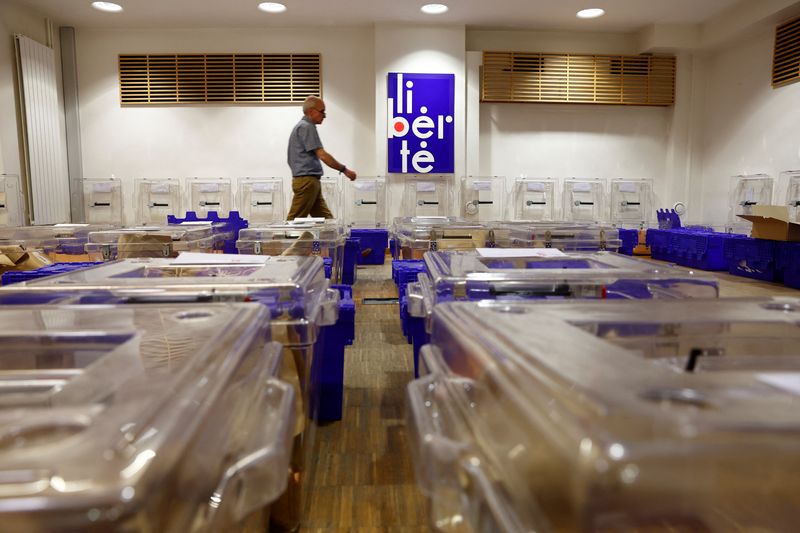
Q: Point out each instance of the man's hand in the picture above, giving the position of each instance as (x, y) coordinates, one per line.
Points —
(350, 174)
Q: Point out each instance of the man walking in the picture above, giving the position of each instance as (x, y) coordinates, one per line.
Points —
(304, 155)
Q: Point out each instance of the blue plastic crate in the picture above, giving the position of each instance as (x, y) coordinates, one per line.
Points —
(374, 242)
(788, 261)
(629, 238)
(15, 276)
(327, 375)
(352, 249)
(659, 242)
(232, 225)
(327, 264)
(753, 258)
(703, 250)
(405, 271)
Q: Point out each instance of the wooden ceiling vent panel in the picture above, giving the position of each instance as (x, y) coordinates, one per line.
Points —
(521, 77)
(786, 58)
(175, 79)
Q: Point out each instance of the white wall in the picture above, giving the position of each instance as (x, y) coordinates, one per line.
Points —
(749, 127)
(566, 140)
(223, 140)
(417, 50)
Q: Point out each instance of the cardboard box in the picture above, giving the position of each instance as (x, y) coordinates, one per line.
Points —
(772, 222)
(15, 257)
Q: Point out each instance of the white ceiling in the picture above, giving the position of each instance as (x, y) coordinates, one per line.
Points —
(621, 15)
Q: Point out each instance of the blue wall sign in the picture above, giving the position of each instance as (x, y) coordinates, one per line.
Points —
(421, 130)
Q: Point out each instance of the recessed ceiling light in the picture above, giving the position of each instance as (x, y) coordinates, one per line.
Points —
(591, 13)
(272, 7)
(434, 9)
(110, 7)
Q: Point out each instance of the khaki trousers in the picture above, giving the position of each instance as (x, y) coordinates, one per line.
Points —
(308, 199)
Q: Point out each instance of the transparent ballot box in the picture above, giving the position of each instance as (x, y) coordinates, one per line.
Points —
(156, 199)
(103, 199)
(149, 241)
(610, 416)
(209, 194)
(631, 201)
(483, 198)
(565, 236)
(297, 238)
(141, 418)
(584, 200)
(513, 274)
(332, 193)
(12, 210)
(533, 199)
(413, 236)
(365, 202)
(747, 191)
(426, 195)
(791, 180)
(261, 199)
(63, 243)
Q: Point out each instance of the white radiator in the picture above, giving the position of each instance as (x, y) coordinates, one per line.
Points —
(48, 181)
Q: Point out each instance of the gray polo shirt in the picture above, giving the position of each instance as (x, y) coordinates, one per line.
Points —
(303, 141)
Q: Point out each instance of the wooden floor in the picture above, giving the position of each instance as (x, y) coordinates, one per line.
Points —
(364, 479)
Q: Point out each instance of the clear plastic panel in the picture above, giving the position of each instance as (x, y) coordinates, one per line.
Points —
(103, 197)
(427, 195)
(209, 194)
(584, 200)
(149, 241)
(533, 199)
(483, 198)
(791, 180)
(365, 201)
(175, 384)
(12, 211)
(156, 199)
(747, 191)
(261, 199)
(332, 193)
(680, 406)
(631, 202)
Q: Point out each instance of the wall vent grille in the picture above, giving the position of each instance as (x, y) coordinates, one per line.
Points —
(580, 79)
(170, 79)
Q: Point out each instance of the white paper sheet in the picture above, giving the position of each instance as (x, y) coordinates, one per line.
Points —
(482, 185)
(582, 186)
(520, 252)
(196, 258)
(159, 188)
(426, 186)
(786, 381)
(535, 186)
(209, 187)
(102, 187)
(366, 185)
(627, 186)
(263, 187)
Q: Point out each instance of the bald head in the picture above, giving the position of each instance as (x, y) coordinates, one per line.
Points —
(312, 102)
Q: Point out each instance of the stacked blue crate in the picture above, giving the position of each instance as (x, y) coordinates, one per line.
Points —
(629, 238)
(753, 258)
(352, 249)
(327, 264)
(701, 249)
(230, 226)
(16, 276)
(374, 242)
(659, 242)
(787, 259)
(405, 271)
(328, 372)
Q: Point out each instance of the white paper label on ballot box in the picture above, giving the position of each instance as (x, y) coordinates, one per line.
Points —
(500, 253)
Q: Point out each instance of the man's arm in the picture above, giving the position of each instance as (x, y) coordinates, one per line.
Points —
(331, 161)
